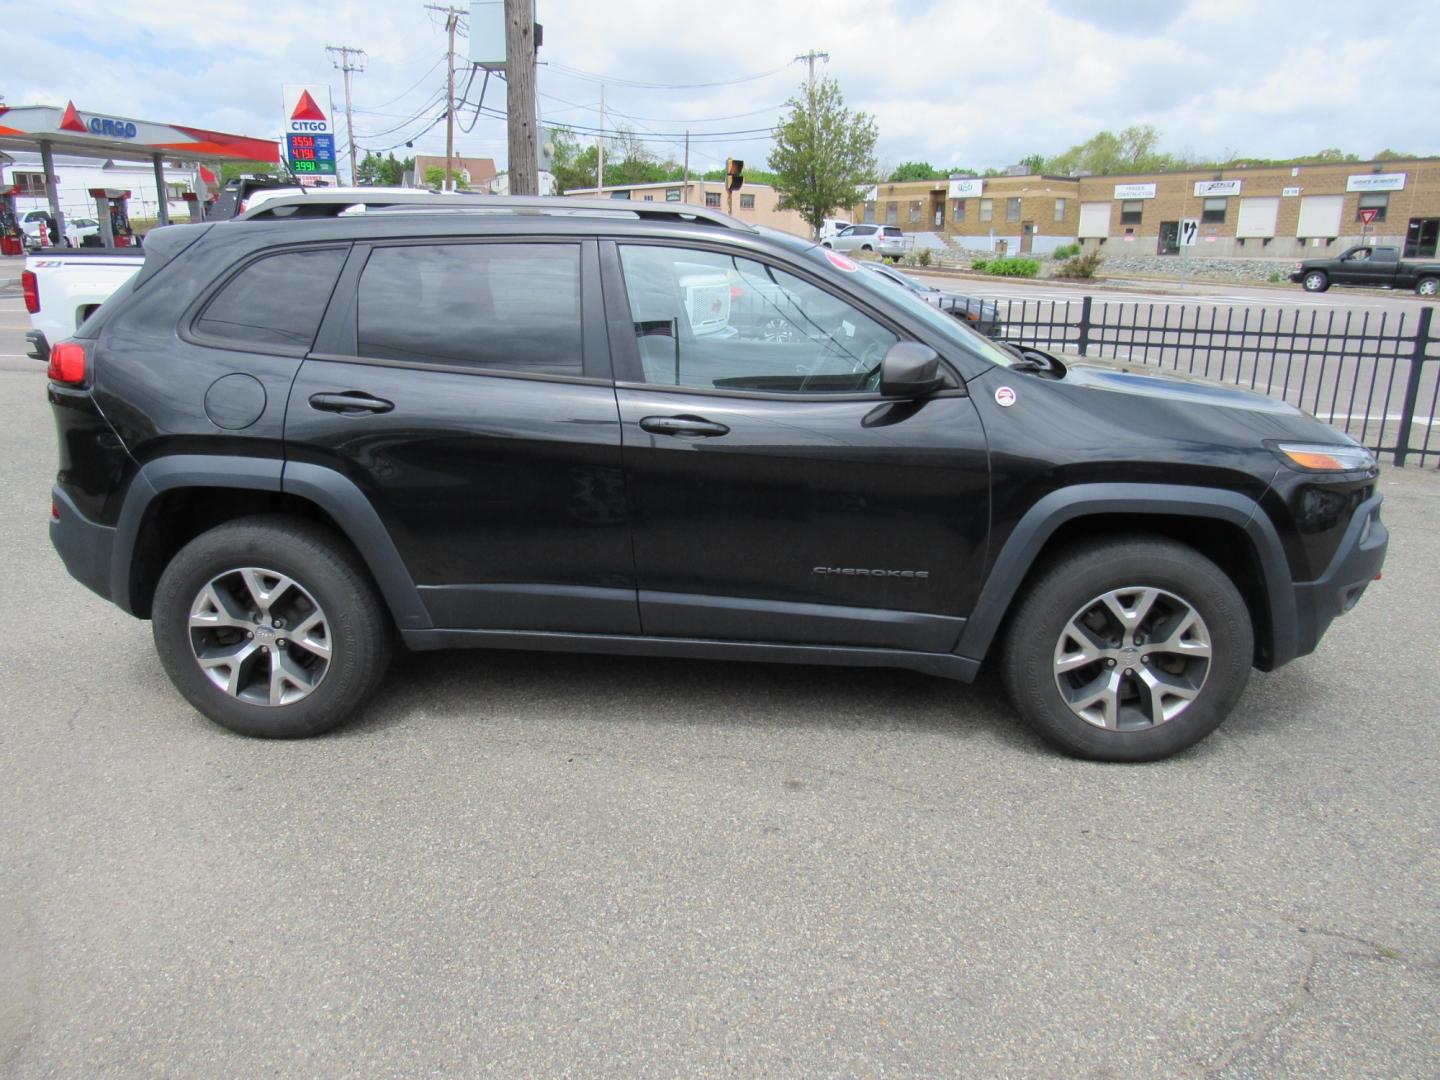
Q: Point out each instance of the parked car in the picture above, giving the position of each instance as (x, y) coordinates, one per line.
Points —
(78, 230)
(831, 228)
(983, 315)
(30, 225)
(530, 425)
(887, 241)
(1376, 266)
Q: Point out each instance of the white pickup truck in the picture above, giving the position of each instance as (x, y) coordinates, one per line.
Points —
(62, 288)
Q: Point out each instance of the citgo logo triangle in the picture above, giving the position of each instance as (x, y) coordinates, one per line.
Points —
(71, 120)
(306, 109)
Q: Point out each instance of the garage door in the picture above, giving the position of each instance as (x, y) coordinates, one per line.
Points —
(1257, 217)
(1094, 219)
(1320, 215)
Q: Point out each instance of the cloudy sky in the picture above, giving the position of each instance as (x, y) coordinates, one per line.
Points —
(955, 82)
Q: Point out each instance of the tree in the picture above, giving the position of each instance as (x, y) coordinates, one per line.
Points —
(229, 170)
(915, 170)
(824, 154)
(1035, 163)
(435, 178)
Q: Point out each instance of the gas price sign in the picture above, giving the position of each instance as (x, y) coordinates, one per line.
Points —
(311, 153)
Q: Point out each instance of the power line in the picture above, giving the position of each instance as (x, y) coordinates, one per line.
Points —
(579, 73)
(404, 94)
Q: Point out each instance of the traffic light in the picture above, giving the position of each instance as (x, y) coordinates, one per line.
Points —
(734, 174)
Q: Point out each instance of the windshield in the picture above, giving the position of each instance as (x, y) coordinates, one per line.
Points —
(949, 327)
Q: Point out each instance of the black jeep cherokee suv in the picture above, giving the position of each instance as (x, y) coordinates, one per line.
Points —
(548, 424)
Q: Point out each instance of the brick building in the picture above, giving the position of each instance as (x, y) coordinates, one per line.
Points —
(1011, 213)
(1287, 211)
(755, 203)
(1281, 211)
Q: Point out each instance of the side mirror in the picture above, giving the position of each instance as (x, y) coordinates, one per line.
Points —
(910, 370)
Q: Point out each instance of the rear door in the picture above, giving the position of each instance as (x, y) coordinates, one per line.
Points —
(464, 386)
(776, 497)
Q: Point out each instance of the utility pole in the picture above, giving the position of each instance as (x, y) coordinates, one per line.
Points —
(810, 58)
(452, 19)
(685, 190)
(346, 66)
(524, 165)
(600, 148)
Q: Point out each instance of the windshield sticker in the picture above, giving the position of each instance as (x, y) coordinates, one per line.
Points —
(840, 262)
(1004, 396)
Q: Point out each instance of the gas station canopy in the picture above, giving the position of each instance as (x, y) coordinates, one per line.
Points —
(49, 128)
(71, 131)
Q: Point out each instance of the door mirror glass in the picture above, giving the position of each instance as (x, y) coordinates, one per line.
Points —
(910, 370)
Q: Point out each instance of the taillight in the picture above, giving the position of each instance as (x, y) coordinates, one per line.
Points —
(31, 288)
(67, 363)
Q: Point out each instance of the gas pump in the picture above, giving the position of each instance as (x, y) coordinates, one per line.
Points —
(12, 241)
(112, 210)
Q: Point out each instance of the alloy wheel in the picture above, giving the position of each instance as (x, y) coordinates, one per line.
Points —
(1132, 658)
(260, 636)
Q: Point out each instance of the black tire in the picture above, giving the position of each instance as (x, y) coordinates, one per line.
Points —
(358, 630)
(1427, 286)
(825, 243)
(1065, 586)
(1315, 281)
(866, 247)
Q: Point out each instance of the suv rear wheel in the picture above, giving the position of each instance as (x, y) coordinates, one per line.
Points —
(270, 626)
(1129, 651)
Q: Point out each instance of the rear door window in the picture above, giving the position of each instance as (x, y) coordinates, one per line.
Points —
(507, 307)
(277, 300)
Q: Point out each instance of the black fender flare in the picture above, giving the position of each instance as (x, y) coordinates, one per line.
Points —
(337, 495)
(1039, 523)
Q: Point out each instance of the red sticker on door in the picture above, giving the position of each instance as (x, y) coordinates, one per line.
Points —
(1004, 396)
(841, 262)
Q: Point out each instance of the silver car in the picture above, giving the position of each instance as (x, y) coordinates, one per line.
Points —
(885, 240)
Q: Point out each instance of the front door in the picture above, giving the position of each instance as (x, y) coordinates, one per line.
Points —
(1169, 238)
(775, 496)
(1422, 238)
(458, 386)
(1027, 237)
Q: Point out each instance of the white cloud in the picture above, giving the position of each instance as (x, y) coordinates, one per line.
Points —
(972, 82)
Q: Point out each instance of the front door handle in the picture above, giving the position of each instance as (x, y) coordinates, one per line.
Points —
(685, 427)
(350, 403)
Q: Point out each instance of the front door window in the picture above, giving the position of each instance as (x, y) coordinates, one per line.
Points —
(720, 322)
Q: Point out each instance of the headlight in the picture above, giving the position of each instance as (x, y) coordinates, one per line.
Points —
(1325, 457)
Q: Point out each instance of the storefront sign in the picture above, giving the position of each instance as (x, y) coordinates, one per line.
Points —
(970, 188)
(1216, 188)
(1376, 182)
(1134, 191)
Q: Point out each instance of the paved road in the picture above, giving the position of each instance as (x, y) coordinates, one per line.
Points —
(519, 865)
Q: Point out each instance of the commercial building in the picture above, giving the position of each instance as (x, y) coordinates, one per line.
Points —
(1288, 211)
(475, 172)
(755, 203)
(23, 173)
(1013, 214)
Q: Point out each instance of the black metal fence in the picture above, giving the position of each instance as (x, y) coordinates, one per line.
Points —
(1375, 375)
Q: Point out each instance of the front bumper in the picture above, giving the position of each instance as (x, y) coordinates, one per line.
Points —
(85, 547)
(1356, 564)
(1298, 276)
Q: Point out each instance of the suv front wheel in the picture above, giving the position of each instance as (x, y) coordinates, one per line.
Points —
(270, 626)
(1129, 651)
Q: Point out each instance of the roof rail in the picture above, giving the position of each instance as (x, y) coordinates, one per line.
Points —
(320, 203)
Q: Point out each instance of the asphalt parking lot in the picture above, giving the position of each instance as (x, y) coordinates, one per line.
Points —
(522, 864)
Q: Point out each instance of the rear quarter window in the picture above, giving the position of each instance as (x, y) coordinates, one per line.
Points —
(276, 300)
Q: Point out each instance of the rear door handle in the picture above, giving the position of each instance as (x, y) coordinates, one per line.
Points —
(685, 427)
(350, 403)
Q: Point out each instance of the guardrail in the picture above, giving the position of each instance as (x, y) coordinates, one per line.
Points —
(1372, 374)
